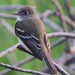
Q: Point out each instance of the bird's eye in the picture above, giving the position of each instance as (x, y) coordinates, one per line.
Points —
(26, 13)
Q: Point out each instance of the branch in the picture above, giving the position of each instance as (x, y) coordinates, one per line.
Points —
(57, 13)
(21, 70)
(61, 70)
(9, 7)
(69, 21)
(7, 26)
(48, 13)
(51, 24)
(66, 67)
(69, 70)
(18, 65)
(9, 50)
(69, 10)
(62, 34)
(66, 19)
(7, 16)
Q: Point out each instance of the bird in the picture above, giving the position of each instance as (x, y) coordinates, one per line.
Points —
(31, 32)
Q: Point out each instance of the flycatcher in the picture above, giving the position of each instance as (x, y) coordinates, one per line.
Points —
(32, 35)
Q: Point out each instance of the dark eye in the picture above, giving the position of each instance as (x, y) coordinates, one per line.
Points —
(26, 13)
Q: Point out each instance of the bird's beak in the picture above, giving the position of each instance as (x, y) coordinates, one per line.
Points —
(15, 13)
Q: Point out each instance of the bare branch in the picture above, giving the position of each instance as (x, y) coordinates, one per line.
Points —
(7, 26)
(48, 13)
(9, 7)
(69, 10)
(51, 24)
(18, 65)
(21, 70)
(66, 19)
(69, 21)
(69, 70)
(9, 50)
(8, 16)
(61, 70)
(62, 34)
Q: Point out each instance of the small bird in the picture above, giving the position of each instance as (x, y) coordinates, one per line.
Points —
(31, 33)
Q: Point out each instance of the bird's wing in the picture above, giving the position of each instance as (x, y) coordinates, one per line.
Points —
(30, 39)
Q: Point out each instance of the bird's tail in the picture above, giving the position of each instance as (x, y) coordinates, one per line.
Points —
(48, 60)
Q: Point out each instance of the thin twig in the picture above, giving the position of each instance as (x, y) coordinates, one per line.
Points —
(18, 65)
(69, 21)
(7, 16)
(9, 50)
(51, 24)
(62, 34)
(69, 70)
(9, 7)
(14, 68)
(69, 10)
(7, 26)
(66, 19)
(61, 70)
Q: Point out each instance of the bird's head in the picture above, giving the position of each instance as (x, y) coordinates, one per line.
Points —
(24, 13)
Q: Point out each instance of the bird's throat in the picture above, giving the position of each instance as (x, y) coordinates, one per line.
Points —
(20, 18)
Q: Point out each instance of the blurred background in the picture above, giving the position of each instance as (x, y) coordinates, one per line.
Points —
(8, 40)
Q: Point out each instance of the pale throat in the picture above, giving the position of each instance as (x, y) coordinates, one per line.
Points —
(20, 18)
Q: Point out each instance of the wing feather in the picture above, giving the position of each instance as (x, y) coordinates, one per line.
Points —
(31, 40)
